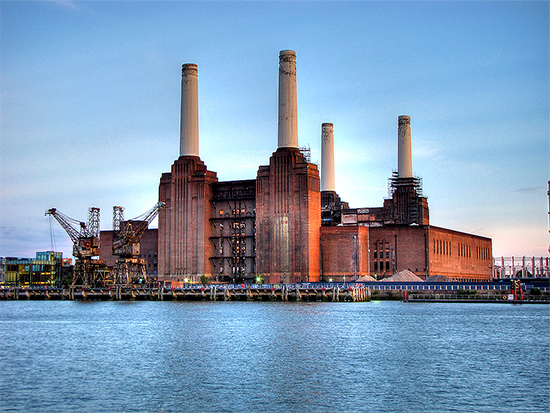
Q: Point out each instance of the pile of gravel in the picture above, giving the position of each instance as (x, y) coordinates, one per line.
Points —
(404, 276)
(366, 278)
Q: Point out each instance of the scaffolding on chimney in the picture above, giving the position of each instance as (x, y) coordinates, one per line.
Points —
(405, 194)
(306, 151)
(395, 183)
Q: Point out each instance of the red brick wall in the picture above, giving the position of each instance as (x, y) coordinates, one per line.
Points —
(106, 248)
(342, 254)
(403, 247)
(288, 219)
(458, 255)
(184, 227)
(455, 254)
(149, 250)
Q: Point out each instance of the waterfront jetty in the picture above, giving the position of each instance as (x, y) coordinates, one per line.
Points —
(529, 291)
(194, 292)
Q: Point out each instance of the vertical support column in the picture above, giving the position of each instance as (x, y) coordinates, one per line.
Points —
(404, 153)
(189, 121)
(288, 107)
(327, 157)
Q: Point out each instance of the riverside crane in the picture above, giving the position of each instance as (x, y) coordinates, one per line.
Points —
(127, 235)
(85, 238)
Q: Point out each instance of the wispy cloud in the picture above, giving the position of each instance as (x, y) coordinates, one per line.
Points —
(529, 189)
(427, 152)
(68, 4)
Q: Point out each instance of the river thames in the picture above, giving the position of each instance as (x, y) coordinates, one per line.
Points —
(273, 357)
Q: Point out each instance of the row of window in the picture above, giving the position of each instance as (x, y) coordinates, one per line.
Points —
(235, 211)
(234, 225)
(234, 269)
(464, 250)
(382, 254)
(483, 253)
(382, 265)
(442, 247)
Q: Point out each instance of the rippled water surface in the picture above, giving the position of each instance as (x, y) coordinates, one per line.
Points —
(273, 357)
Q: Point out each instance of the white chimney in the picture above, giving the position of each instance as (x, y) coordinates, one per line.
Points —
(288, 108)
(189, 124)
(404, 155)
(327, 157)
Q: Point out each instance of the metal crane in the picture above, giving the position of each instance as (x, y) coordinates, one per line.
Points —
(127, 235)
(85, 238)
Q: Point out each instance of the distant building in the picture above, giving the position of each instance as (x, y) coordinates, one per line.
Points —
(44, 270)
(521, 267)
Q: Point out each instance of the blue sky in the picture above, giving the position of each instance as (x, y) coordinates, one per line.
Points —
(90, 95)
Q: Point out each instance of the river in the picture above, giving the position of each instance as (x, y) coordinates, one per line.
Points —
(58, 356)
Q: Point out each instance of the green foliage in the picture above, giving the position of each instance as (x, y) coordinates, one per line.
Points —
(205, 280)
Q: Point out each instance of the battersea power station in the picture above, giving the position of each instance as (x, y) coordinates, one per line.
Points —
(288, 225)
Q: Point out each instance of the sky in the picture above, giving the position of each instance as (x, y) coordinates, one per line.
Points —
(90, 105)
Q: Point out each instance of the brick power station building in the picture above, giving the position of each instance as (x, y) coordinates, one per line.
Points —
(289, 225)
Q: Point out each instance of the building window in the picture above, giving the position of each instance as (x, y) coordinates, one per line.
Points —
(221, 212)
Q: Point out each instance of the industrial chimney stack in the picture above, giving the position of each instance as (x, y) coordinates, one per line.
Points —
(288, 108)
(189, 126)
(327, 157)
(404, 156)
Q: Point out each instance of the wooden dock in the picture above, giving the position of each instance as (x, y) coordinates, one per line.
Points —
(220, 292)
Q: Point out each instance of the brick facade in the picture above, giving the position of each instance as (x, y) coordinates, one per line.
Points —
(458, 255)
(428, 250)
(288, 219)
(184, 224)
(398, 247)
(344, 252)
